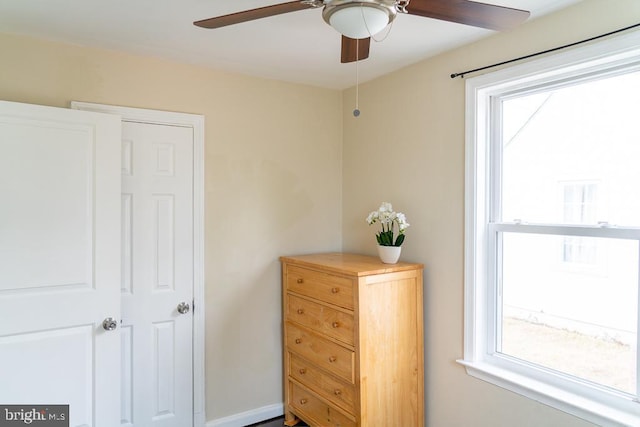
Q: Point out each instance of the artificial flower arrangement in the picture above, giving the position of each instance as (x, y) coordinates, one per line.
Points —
(388, 219)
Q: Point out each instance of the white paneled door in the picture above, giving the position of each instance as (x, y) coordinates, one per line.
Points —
(60, 261)
(157, 275)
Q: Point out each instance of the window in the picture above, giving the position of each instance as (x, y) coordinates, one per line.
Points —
(552, 233)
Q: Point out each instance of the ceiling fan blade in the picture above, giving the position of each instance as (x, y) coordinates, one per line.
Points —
(250, 15)
(350, 49)
(469, 12)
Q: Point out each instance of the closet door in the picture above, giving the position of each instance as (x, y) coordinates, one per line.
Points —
(157, 280)
(60, 261)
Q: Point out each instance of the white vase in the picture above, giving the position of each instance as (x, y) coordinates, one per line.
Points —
(389, 254)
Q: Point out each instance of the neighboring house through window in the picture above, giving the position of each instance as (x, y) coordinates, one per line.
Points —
(579, 207)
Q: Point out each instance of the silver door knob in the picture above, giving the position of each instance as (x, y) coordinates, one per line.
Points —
(183, 308)
(109, 324)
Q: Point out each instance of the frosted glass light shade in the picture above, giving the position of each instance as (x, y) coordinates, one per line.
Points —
(359, 22)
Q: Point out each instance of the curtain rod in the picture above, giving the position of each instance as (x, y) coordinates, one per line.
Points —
(462, 74)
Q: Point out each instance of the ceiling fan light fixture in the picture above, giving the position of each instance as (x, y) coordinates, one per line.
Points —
(358, 19)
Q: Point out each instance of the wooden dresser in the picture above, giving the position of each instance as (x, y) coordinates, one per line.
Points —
(353, 341)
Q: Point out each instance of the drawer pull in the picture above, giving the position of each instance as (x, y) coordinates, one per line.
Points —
(335, 290)
(302, 371)
(332, 359)
(335, 324)
(300, 280)
(303, 401)
(337, 392)
(300, 311)
(298, 340)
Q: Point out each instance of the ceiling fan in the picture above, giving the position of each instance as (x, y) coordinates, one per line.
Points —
(358, 20)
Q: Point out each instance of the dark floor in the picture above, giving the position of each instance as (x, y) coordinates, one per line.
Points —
(275, 422)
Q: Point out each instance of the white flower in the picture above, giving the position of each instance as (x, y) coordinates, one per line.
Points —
(386, 207)
(402, 222)
(373, 217)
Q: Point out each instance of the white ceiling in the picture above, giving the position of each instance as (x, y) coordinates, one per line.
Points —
(296, 47)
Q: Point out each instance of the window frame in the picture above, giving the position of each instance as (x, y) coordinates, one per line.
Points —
(596, 404)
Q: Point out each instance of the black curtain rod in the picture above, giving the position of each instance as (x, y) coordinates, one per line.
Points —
(462, 74)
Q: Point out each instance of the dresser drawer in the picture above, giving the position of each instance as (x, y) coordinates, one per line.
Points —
(321, 318)
(325, 287)
(315, 411)
(337, 392)
(322, 352)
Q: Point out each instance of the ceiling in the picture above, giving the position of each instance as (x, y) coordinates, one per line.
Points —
(295, 47)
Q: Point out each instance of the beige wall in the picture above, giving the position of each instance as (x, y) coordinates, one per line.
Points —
(273, 187)
(407, 148)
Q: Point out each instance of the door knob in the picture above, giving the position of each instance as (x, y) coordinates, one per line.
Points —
(109, 324)
(183, 308)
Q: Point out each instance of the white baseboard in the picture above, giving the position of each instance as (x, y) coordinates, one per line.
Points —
(249, 417)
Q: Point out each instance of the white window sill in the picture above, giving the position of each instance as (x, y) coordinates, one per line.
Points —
(587, 408)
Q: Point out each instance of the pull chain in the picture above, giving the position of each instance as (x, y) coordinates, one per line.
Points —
(356, 112)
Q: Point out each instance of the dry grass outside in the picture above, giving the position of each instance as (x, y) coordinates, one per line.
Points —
(598, 360)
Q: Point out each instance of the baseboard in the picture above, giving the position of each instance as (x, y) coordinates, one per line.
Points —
(249, 417)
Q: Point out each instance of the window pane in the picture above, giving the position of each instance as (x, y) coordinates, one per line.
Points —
(570, 155)
(570, 317)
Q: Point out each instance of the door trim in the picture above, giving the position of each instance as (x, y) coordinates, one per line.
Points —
(196, 123)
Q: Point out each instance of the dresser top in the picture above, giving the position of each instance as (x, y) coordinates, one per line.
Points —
(345, 263)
